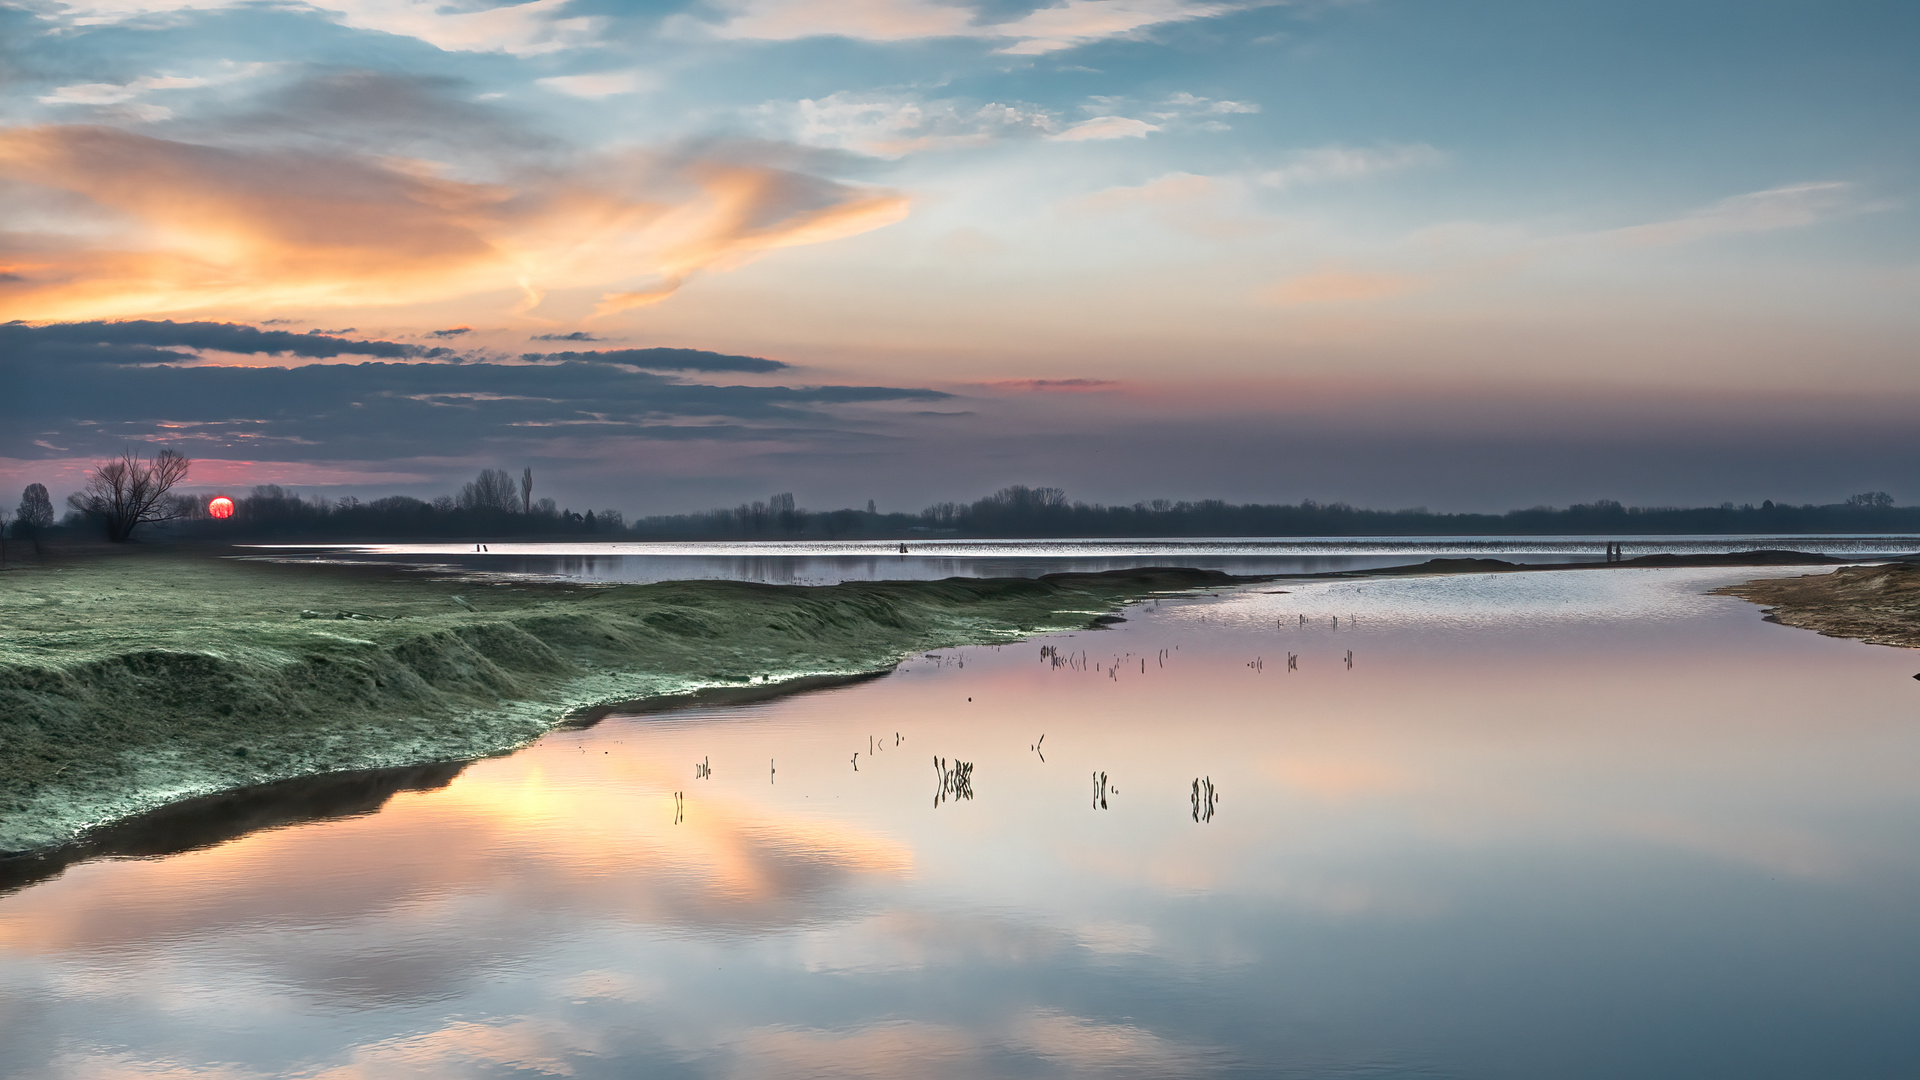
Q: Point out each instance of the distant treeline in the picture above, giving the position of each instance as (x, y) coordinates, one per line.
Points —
(1047, 512)
(495, 506)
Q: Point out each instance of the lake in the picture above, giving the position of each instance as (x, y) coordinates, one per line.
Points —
(825, 562)
(1590, 823)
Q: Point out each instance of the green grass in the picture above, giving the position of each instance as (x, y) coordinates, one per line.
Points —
(136, 679)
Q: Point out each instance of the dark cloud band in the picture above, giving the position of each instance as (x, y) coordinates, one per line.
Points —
(89, 388)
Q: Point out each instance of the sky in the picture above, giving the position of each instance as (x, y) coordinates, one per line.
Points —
(1398, 253)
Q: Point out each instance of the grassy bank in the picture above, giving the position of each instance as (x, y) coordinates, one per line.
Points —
(135, 680)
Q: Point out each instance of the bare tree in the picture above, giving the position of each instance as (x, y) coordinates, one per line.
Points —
(491, 490)
(125, 493)
(526, 490)
(34, 517)
(783, 512)
(36, 508)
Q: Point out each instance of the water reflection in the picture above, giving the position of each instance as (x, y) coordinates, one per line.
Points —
(211, 820)
(1552, 828)
(953, 781)
(1205, 796)
(1100, 790)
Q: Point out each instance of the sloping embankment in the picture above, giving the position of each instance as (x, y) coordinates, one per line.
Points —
(1879, 605)
(128, 683)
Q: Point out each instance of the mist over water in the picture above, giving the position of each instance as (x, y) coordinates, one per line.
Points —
(1577, 824)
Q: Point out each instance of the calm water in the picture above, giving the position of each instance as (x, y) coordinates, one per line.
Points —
(1585, 824)
(826, 562)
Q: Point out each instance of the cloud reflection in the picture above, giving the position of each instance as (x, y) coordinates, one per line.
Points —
(431, 892)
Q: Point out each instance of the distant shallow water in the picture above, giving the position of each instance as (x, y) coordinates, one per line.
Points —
(821, 562)
(1569, 825)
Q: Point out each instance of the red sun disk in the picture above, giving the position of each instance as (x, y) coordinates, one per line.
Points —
(221, 507)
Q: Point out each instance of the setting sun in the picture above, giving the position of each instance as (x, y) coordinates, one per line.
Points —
(221, 507)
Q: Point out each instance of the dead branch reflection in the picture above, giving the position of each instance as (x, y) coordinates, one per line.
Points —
(1205, 795)
(955, 781)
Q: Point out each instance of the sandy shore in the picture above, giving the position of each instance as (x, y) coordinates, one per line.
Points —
(136, 680)
(1879, 605)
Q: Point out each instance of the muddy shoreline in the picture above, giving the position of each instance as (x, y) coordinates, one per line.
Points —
(1877, 604)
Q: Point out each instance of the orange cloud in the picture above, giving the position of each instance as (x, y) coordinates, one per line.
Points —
(1339, 286)
(1172, 189)
(190, 226)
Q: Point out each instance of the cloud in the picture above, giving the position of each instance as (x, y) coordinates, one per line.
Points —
(1169, 190)
(866, 20)
(1210, 208)
(626, 301)
(194, 226)
(600, 84)
(1106, 127)
(520, 29)
(1791, 207)
(90, 388)
(1331, 163)
(123, 99)
(667, 359)
(1184, 100)
(433, 117)
(139, 341)
(1081, 22)
(115, 93)
(894, 125)
(1052, 386)
(1043, 30)
(577, 335)
(1477, 251)
(1340, 286)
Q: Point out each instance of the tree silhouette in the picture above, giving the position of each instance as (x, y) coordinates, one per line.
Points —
(125, 493)
(36, 508)
(493, 489)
